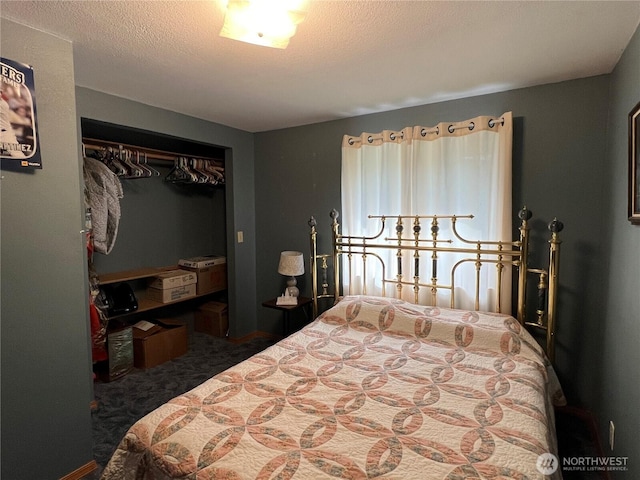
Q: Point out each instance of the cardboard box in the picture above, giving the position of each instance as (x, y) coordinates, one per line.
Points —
(202, 262)
(168, 295)
(164, 341)
(173, 278)
(212, 318)
(210, 279)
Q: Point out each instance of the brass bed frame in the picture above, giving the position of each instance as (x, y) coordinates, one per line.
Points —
(480, 252)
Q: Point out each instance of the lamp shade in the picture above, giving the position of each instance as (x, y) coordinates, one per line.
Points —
(291, 263)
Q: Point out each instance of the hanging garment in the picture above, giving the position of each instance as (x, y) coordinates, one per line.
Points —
(98, 320)
(103, 192)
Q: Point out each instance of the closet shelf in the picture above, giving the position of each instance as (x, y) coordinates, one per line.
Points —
(135, 274)
(145, 304)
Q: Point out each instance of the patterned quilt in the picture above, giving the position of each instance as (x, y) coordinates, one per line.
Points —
(373, 388)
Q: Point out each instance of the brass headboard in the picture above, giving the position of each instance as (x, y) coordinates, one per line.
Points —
(512, 254)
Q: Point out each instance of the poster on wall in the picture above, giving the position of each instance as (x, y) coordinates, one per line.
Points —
(18, 127)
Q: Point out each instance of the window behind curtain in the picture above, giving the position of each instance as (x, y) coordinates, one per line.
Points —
(461, 168)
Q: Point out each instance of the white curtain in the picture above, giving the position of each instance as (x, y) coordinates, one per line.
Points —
(456, 168)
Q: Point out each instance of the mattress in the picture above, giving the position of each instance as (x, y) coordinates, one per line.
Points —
(373, 388)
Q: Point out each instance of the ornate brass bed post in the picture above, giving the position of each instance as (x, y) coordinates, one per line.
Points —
(399, 230)
(524, 216)
(314, 265)
(416, 259)
(499, 270)
(336, 254)
(554, 266)
(434, 262)
(478, 265)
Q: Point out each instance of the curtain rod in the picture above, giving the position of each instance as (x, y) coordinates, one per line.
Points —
(152, 153)
(424, 131)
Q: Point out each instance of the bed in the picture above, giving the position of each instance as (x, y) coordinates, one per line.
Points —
(374, 387)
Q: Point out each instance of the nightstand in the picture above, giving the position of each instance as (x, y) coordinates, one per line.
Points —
(303, 303)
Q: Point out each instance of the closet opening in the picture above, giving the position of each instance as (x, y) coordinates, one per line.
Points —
(164, 216)
(161, 221)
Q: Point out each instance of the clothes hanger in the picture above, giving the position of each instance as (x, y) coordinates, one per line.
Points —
(134, 171)
(113, 159)
(216, 171)
(178, 173)
(145, 164)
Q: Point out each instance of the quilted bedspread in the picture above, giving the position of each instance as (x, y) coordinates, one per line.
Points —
(373, 388)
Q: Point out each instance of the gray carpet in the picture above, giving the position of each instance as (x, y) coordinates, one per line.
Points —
(122, 402)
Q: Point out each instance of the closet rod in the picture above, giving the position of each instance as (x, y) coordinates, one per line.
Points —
(95, 144)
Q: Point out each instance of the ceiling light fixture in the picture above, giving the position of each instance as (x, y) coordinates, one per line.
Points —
(270, 23)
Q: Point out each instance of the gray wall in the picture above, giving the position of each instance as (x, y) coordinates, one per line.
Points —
(175, 212)
(45, 354)
(46, 370)
(559, 167)
(564, 166)
(618, 351)
(570, 162)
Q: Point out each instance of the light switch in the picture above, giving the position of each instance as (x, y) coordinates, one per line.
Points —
(240, 236)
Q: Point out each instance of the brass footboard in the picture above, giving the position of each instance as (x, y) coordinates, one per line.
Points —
(408, 251)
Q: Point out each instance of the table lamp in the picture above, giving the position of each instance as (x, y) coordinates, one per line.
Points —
(291, 265)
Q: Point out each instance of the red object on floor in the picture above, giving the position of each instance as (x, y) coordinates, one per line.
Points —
(98, 350)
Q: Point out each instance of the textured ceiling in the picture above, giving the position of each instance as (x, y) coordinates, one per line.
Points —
(347, 58)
